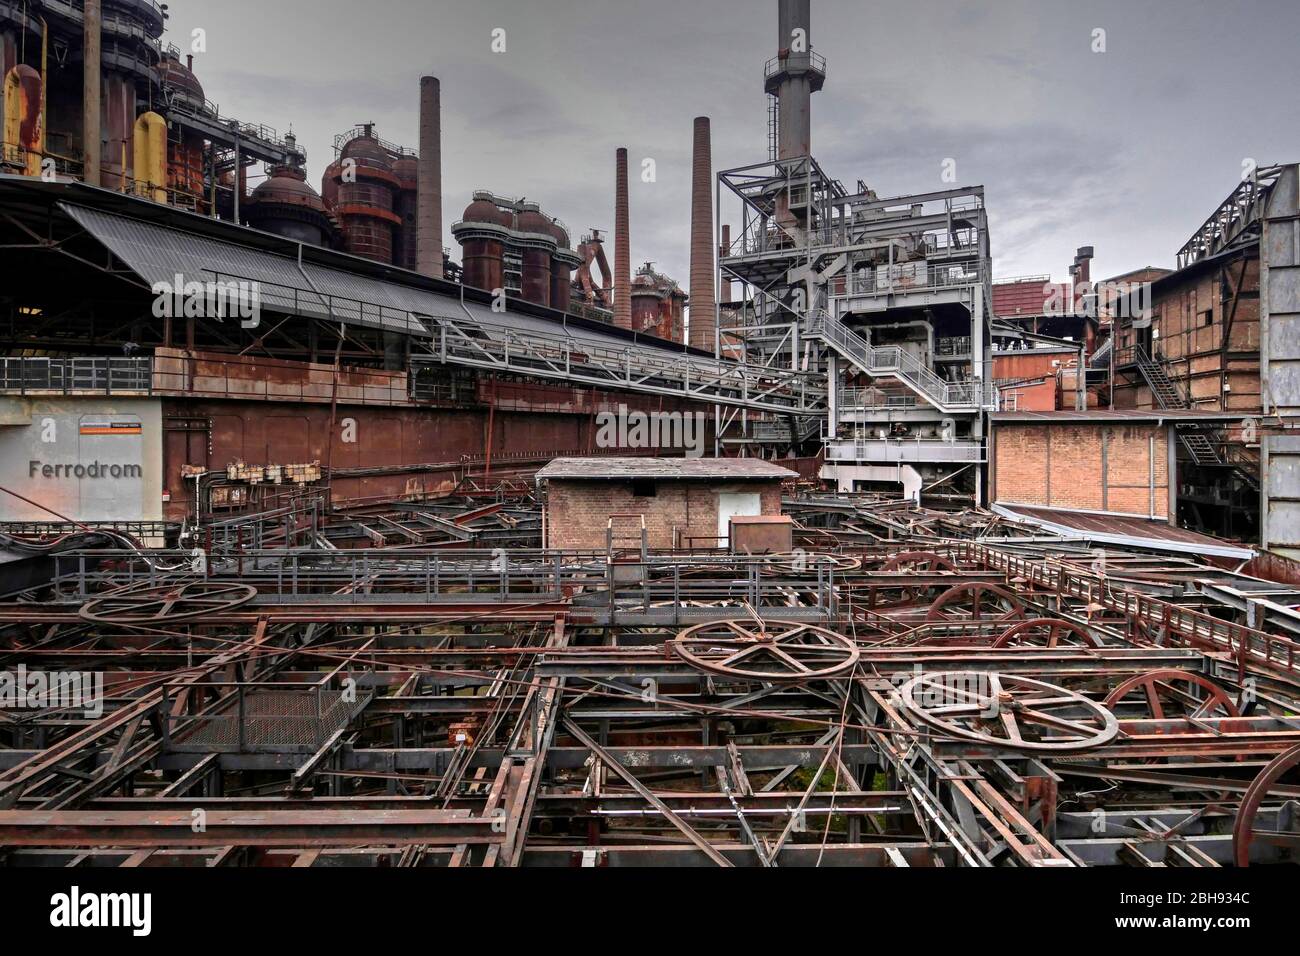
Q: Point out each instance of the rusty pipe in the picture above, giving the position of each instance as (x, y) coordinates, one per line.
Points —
(92, 94)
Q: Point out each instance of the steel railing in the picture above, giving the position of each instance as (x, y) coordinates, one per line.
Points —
(83, 374)
(899, 362)
(1150, 620)
(936, 276)
(893, 450)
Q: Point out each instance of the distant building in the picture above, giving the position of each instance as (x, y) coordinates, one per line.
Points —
(1110, 476)
(594, 503)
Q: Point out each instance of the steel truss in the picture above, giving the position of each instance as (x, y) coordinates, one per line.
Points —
(924, 702)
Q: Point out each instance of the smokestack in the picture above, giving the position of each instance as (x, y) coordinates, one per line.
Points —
(91, 93)
(1082, 273)
(429, 196)
(1083, 259)
(622, 245)
(703, 319)
(796, 81)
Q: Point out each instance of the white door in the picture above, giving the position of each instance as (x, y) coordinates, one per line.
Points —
(733, 503)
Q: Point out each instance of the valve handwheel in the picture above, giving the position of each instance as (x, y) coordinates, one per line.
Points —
(979, 602)
(163, 603)
(1246, 829)
(769, 651)
(1008, 712)
(1046, 632)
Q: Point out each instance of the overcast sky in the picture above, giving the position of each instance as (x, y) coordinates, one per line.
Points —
(1128, 150)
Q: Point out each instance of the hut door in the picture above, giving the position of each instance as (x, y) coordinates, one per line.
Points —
(732, 504)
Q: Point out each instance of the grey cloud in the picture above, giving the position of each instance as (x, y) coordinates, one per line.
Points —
(1123, 150)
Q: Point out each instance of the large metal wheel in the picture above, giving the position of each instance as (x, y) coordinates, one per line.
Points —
(1007, 712)
(770, 651)
(1046, 632)
(1171, 692)
(975, 601)
(1245, 830)
(164, 603)
(919, 561)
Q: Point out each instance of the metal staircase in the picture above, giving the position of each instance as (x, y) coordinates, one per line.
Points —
(1168, 395)
(894, 362)
(1163, 389)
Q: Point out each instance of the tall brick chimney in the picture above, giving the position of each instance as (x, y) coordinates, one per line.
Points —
(622, 245)
(703, 319)
(429, 198)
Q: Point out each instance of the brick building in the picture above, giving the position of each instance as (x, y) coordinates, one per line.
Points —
(1106, 475)
(684, 502)
(1203, 331)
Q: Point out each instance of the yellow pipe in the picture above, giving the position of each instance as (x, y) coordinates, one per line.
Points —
(21, 127)
(151, 156)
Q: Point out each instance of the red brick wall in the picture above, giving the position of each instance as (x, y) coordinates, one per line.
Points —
(1061, 466)
(577, 512)
(1031, 366)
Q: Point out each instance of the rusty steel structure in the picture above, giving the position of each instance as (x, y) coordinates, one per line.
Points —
(989, 699)
(317, 622)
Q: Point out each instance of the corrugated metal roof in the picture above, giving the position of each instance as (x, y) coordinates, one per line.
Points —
(158, 254)
(616, 469)
(1123, 530)
(1119, 415)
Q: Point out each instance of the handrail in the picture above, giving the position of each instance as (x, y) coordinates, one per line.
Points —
(1167, 621)
(893, 359)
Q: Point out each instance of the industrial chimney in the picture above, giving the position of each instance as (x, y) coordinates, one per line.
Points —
(429, 196)
(91, 94)
(1082, 276)
(703, 321)
(622, 245)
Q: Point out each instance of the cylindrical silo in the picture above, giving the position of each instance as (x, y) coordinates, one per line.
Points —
(481, 233)
(367, 193)
(535, 251)
(407, 208)
(286, 205)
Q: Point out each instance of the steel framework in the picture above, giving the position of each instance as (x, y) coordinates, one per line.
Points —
(934, 700)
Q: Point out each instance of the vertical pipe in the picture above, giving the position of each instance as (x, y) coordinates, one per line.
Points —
(429, 197)
(622, 244)
(91, 94)
(239, 178)
(703, 305)
(724, 288)
(794, 115)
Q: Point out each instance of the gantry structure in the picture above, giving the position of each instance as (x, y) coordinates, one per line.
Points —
(886, 697)
(888, 297)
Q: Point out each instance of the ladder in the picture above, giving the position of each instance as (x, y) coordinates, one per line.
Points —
(1169, 396)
